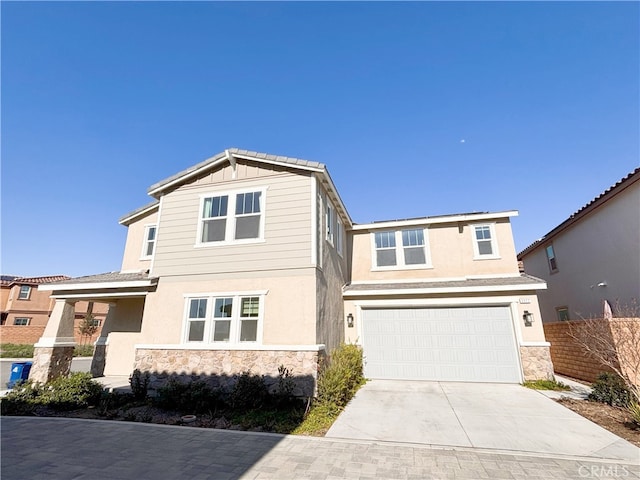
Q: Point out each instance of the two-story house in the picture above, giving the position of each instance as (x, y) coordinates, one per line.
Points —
(249, 261)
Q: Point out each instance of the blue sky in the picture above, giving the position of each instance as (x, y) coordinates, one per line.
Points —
(417, 109)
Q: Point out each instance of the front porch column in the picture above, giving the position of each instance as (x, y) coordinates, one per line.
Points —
(53, 353)
(100, 350)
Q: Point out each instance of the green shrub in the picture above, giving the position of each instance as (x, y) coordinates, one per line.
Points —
(16, 350)
(189, 397)
(249, 392)
(83, 351)
(634, 409)
(78, 390)
(139, 384)
(610, 389)
(283, 396)
(339, 380)
(546, 385)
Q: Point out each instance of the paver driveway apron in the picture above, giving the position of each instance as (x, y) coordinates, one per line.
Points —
(480, 415)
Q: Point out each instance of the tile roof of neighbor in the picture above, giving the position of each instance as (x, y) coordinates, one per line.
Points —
(12, 280)
(619, 186)
(106, 278)
(523, 279)
(249, 153)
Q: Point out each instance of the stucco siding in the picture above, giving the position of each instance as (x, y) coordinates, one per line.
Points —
(287, 238)
(600, 248)
(289, 309)
(451, 252)
(132, 258)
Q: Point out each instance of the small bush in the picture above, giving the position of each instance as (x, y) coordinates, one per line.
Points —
(341, 377)
(249, 392)
(634, 409)
(610, 389)
(283, 395)
(78, 390)
(15, 350)
(139, 382)
(83, 351)
(188, 398)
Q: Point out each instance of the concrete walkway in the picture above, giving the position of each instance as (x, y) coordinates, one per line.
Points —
(480, 415)
(54, 448)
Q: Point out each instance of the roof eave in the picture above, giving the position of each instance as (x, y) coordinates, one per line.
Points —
(473, 217)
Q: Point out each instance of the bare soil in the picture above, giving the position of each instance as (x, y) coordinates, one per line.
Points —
(615, 419)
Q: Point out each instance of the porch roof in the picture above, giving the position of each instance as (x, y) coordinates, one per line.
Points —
(105, 284)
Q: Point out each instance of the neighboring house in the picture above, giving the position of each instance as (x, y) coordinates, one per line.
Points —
(249, 261)
(594, 255)
(26, 310)
(591, 257)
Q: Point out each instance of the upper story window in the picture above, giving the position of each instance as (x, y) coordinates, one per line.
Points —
(224, 319)
(232, 217)
(149, 245)
(562, 313)
(331, 223)
(21, 321)
(401, 249)
(25, 292)
(484, 242)
(551, 259)
(339, 237)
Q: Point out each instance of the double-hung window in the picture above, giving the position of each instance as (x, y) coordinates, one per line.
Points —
(226, 318)
(21, 321)
(25, 292)
(339, 237)
(149, 241)
(401, 249)
(331, 223)
(484, 242)
(551, 259)
(232, 217)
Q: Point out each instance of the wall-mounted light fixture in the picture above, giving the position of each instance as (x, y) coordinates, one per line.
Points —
(350, 320)
(528, 318)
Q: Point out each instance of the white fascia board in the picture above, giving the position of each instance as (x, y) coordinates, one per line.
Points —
(423, 291)
(94, 286)
(276, 162)
(231, 346)
(473, 217)
(189, 175)
(89, 295)
(131, 218)
(332, 188)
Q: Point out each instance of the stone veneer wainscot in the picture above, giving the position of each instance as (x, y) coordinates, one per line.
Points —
(219, 367)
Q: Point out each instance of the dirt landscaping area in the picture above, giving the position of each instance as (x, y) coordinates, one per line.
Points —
(615, 419)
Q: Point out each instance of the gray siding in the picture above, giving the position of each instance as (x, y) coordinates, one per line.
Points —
(287, 231)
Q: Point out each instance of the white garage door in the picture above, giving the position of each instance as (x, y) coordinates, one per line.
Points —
(472, 344)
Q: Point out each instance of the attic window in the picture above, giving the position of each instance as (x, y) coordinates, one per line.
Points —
(25, 292)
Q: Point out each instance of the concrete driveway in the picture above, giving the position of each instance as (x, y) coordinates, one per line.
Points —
(492, 416)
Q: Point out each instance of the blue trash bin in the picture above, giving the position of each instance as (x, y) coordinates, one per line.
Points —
(19, 371)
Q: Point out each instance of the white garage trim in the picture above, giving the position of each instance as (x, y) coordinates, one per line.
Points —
(461, 343)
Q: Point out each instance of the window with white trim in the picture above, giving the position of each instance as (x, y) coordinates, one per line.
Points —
(21, 321)
(551, 259)
(224, 319)
(232, 217)
(149, 241)
(484, 244)
(331, 223)
(339, 236)
(562, 313)
(401, 249)
(25, 292)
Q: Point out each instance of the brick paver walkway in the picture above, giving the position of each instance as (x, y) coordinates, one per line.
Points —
(61, 448)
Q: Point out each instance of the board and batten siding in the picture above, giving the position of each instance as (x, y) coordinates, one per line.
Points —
(287, 232)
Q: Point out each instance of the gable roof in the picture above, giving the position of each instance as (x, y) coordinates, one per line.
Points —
(587, 209)
(231, 155)
(138, 212)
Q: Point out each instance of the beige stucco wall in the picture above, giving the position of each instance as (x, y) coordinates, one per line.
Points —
(451, 252)
(120, 332)
(132, 258)
(288, 317)
(602, 247)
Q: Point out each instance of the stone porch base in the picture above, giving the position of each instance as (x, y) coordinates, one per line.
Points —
(220, 368)
(536, 363)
